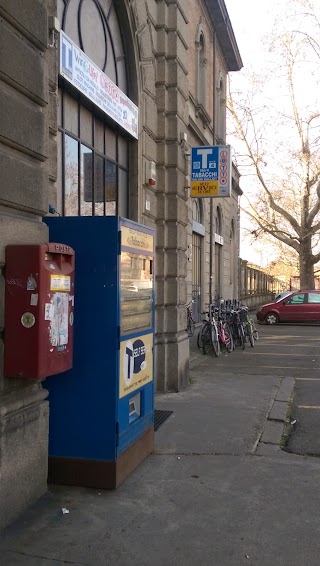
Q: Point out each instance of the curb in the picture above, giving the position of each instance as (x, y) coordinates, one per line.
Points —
(271, 436)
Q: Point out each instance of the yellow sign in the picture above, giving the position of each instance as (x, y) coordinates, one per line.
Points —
(136, 363)
(204, 188)
(131, 238)
(60, 282)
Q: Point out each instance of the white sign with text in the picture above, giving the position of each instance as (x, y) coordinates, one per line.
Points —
(86, 77)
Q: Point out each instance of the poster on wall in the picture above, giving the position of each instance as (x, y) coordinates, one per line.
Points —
(136, 363)
(86, 77)
(211, 171)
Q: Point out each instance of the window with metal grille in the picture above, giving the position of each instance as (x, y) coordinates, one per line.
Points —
(93, 153)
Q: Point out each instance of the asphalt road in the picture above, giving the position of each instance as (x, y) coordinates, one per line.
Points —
(305, 438)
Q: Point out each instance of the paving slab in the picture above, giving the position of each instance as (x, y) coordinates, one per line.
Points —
(278, 411)
(285, 390)
(272, 433)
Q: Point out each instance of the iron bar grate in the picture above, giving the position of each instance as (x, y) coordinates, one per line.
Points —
(160, 417)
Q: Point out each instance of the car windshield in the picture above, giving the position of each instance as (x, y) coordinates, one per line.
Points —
(282, 296)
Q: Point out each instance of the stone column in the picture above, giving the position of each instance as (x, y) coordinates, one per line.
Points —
(172, 92)
(24, 133)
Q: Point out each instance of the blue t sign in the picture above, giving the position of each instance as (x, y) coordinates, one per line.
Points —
(211, 171)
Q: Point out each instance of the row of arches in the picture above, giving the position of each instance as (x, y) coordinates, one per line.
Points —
(93, 153)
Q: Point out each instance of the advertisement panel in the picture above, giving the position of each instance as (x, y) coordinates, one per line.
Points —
(86, 77)
(211, 171)
(136, 363)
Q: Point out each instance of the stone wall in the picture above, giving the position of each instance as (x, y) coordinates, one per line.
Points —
(24, 149)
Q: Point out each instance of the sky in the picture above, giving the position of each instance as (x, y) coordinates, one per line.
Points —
(252, 20)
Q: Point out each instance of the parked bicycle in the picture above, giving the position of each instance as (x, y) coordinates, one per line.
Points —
(249, 327)
(224, 330)
(208, 335)
(238, 328)
(190, 322)
(243, 327)
(254, 330)
(228, 325)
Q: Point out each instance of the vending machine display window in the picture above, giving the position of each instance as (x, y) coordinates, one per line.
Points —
(136, 292)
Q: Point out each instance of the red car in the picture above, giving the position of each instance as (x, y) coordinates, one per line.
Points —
(301, 306)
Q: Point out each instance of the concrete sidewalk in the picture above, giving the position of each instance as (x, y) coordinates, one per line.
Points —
(218, 490)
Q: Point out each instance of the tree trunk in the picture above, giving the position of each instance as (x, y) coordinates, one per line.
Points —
(306, 265)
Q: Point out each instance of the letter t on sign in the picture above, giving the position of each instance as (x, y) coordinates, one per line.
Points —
(204, 156)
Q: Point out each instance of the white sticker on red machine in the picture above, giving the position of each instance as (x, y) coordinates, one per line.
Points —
(59, 322)
(34, 299)
(48, 311)
(60, 282)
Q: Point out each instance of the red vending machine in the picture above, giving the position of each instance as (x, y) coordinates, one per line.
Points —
(39, 307)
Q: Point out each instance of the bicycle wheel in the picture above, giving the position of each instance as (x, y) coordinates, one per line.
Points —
(207, 342)
(228, 338)
(250, 333)
(200, 337)
(215, 342)
(241, 337)
(255, 332)
(238, 337)
(190, 326)
(233, 329)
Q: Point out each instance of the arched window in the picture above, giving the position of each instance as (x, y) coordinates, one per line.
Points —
(218, 221)
(201, 65)
(93, 168)
(93, 25)
(221, 110)
(197, 210)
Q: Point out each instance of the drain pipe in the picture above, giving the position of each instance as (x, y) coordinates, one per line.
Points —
(214, 136)
(211, 241)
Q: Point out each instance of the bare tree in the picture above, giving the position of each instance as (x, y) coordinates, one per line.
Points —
(277, 124)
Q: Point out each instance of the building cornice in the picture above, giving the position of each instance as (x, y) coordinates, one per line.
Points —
(225, 34)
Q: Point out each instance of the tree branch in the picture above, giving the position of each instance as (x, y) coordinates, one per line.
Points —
(272, 203)
(273, 231)
(314, 211)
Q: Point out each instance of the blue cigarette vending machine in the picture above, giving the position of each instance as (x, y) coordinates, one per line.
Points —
(102, 410)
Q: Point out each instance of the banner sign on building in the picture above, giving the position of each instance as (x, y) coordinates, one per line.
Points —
(211, 171)
(86, 77)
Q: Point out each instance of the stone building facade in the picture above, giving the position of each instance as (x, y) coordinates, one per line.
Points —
(171, 58)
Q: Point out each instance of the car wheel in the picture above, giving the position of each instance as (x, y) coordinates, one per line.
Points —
(271, 318)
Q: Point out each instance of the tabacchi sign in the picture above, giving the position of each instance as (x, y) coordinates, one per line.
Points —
(84, 75)
(211, 171)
